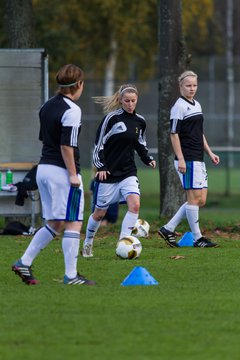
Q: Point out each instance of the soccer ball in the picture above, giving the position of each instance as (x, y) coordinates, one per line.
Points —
(129, 247)
(141, 228)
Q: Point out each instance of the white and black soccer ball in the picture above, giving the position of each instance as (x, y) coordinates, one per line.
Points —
(129, 247)
(141, 228)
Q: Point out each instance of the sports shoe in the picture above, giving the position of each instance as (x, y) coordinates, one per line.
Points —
(25, 273)
(168, 236)
(87, 251)
(203, 242)
(78, 280)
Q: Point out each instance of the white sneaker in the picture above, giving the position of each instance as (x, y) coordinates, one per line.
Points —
(87, 251)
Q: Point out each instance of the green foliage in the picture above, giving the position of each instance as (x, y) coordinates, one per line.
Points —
(201, 29)
(3, 35)
(81, 32)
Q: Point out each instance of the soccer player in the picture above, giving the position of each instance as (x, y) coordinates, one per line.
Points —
(189, 144)
(120, 134)
(58, 178)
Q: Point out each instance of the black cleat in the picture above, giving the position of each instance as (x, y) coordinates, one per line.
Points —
(203, 242)
(168, 236)
(78, 280)
(24, 272)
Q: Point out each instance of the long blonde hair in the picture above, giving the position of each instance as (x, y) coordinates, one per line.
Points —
(111, 103)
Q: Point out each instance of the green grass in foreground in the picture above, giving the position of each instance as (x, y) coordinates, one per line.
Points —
(192, 314)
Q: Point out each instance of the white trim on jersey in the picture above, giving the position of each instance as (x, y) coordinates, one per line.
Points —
(72, 116)
(192, 114)
(74, 136)
(142, 138)
(142, 117)
(174, 126)
(117, 128)
(182, 109)
(99, 145)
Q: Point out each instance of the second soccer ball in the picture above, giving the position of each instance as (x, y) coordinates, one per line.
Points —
(141, 228)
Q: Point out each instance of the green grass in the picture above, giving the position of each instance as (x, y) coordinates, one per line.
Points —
(193, 313)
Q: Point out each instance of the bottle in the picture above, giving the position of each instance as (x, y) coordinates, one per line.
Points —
(0, 181)
(9, 177)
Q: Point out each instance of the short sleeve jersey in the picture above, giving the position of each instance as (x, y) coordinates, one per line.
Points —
(186, 120)
(60, 124)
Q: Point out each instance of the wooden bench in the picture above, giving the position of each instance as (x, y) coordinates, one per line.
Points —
(32, 204)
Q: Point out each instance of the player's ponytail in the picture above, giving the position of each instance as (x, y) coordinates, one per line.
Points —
(111, 103)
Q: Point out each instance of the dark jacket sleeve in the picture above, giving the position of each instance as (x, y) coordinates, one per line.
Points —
(141, 146)
(98, 152)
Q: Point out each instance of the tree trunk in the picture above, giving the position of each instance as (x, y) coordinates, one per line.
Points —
(19, 23)
(172, 61)
(110, 69)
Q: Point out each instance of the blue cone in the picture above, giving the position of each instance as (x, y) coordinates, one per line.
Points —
(139, 276)
(186, 240)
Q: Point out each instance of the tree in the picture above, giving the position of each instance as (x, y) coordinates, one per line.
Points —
(19, 23)
(115, 39)
(201, 28)
(102, 36)
(172, 61)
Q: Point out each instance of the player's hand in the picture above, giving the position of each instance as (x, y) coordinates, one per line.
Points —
(182, 166)
(102, 175)
(74, 180)
(215, 158)
(152, 164)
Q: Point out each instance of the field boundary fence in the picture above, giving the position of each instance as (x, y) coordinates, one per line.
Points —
(229, 167)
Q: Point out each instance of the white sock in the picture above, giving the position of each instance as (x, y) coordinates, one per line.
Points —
(128, 224)
(92, 228)
(40, 240)
(70, 246)
(177, 218)
(192, 213)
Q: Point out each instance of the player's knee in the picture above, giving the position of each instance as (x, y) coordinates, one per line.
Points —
(56, 225)
(134, 207)
(98, 215)
(202, 202)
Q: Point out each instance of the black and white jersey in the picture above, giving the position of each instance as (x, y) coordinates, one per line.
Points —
(186, 120)
(118, 136)
(60, 124)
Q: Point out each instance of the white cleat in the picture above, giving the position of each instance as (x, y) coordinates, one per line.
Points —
(87, 251)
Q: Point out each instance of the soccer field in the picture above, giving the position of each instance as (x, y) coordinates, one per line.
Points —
(193, 312)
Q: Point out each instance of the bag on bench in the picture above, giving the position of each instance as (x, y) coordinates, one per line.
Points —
(29, 180)
(28, 183)
(15, 228)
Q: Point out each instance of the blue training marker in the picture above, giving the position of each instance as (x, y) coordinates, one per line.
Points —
(139, 276)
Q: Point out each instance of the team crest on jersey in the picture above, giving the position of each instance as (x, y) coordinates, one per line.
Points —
(136, 130)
